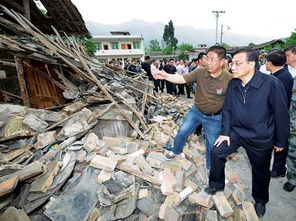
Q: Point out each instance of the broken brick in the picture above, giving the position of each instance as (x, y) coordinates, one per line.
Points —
(103, 163)
(222, 204)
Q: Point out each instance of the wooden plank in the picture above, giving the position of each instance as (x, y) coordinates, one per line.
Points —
(22, 81)
(46, 76)
(144, 101)
(11, 95)
(6, 63)
(142, 92)
(8, 185)
(27, 13)
(17, 29)
(42, 87)
(140, 174)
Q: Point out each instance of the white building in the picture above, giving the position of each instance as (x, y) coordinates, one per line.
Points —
(119, 45)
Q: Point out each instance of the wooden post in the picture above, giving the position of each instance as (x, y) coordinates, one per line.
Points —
(26, 5)
(22, 81)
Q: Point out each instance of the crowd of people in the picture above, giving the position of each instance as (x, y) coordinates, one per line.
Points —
(237, 106)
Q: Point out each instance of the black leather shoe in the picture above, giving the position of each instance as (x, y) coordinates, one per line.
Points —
(260, 209)
(276, 174)
(289, 187)
(212, 190)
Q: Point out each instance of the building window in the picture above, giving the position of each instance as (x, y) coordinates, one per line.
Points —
(115, 45)
(126, 46)
(99, 45)
(106, 47)
(136, 45)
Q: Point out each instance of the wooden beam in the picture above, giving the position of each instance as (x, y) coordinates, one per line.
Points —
(6, 63)
(12, 26)
(22, 81)
(138, 173)
(26, 4)
(11, 95)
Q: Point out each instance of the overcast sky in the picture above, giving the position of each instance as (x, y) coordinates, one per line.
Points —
(266, 18)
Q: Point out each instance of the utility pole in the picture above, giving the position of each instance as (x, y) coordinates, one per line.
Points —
(222, 32)
(217, 18)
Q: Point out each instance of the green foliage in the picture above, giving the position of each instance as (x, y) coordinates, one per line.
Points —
(185, 47)
(154, 45)
(165, 35)
(276, 46)
(169, 35)
(291, 40)
(225, 45)
(167, 50)
(90, 46)
(251, 44)
(183, 56)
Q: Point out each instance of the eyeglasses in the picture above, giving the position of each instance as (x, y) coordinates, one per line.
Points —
(237, 64)
(210, 60)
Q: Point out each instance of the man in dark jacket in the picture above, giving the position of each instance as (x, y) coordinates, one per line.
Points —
(275, 63)
(254, 116)
(146, 67)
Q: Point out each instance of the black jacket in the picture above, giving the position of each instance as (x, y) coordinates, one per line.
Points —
(286, 78)
(257, 113)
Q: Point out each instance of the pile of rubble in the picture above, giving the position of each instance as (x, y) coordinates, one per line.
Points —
(100, 157)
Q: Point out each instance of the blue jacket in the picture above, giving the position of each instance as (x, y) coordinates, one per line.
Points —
(257, 113)
(286, 78)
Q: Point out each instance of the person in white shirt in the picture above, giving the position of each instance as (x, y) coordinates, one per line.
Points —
(180, 70)
(154, 68)
(263, 69)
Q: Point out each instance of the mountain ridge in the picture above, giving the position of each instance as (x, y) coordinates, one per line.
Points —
(184, 34)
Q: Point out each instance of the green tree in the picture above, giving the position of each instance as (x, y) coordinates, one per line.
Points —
(185, 47)
(90, 46)
(154, 45)
(225, 45)
(291, 40)
(183, 56)
(167, 50)
(169, 35)
(165, 35)
(251, 44)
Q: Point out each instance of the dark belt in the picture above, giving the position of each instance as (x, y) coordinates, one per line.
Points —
(213, 114)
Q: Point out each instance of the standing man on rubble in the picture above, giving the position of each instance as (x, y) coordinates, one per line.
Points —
(255, 116)
(212, 83)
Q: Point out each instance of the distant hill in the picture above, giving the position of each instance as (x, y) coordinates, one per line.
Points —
(187, 34)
